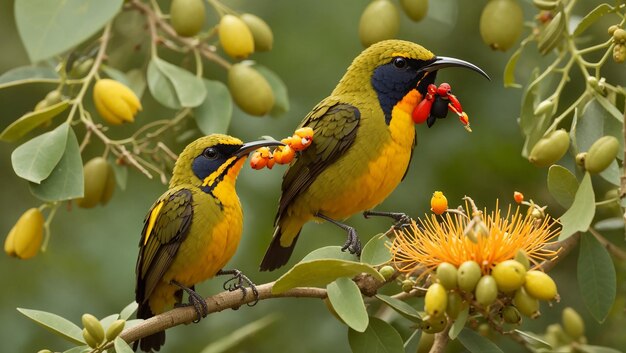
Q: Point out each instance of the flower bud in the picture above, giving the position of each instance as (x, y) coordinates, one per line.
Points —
(115, 102)
(115, 329)
(26, 236)
(407, 285)
(438, 203)
(511, 315)
(94, 327)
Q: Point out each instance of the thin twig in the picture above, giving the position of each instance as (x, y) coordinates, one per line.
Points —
(564, 247)
(441, 341)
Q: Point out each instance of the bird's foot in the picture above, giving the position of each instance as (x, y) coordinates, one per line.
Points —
(402, 219)
(196, 300)
(239, 282)
(352, 244)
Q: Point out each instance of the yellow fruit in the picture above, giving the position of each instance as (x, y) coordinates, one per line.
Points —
(468, 275)
(612, 29)
(115, 102)
(24, 239)
(250, 90)
(115, 329)
(573, 324)
(436, 300)
(91, 342)
(261, 32)
(380, 20)
(501, 23)
(527, 305)
(539, 285)
(550, 148)
(235, 37)
(93, 327)
(601, 154)
(415, 9)
(187, 16)
(509, 275)
(619, 35)
(99, 183)
(486, 290)
(447, 275)
(434, 324)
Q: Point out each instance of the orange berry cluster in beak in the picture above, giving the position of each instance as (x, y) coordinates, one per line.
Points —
(436, 104)
(299, 141)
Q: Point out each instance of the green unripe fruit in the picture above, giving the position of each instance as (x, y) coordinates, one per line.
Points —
(434, 324)
(550, 148)
(486, 290)
(522, 258)
(53, 97)
(380, 21)
(501, 23)
(407, 285)
(99, 183)
(509, 275)
(484, 329)
(468, 275)
(415, 9)
(544, 107)
(94, 327)
(619, 53)
(250, 90)
(115, 329)
(425, 343)
(511, 315)
(261, 32)
(539, 285)
(527, 305)
(619, 35)
(447, 275)
(601, 154)
(187, 16)
(387, 272)
(41, 105)
(612, 29)
(235, 37)
(436, 300)
(91, 342)
(455, 305)
(44, 351)
(572, 323)
(555, 336)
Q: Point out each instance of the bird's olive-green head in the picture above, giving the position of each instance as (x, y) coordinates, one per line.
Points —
(391, 69)
(206, 161)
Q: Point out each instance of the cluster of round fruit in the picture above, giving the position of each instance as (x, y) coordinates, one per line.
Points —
(381, 19)
(510, 288)
(619, 38)
(299, 141)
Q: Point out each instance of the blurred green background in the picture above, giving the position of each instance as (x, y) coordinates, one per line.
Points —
(89, 265)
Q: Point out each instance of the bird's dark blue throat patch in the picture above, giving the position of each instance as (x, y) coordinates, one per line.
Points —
(392, 81)
(210, 160)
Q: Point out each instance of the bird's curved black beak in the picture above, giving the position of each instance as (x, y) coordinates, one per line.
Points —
(248, 147)
(441, 62)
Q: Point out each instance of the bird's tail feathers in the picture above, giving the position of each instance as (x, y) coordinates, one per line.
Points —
(276, 254)
(154, 341)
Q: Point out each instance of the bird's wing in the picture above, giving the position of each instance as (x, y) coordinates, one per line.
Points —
(166, 226)
(335, 126)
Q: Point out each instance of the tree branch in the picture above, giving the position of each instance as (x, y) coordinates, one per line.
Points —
(565, 247)
(441, 341)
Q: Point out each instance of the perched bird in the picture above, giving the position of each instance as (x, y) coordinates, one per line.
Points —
(363, 141)
(192, 230)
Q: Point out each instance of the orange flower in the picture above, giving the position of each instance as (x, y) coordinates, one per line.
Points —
(493, 239)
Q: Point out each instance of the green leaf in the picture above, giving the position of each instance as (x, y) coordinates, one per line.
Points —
(379, 337)
(51, 27)
(28, 74)
(281, 97)
(533, 339)
(66, 180)
(121, 346)
(612, 173)
(596, 277)
(329, 252)
(476, 343)
(509, 69)
(610, 107)
(30, 121)
(592, 17)
(411, 344)
(578, 217)
(173, 86)
(35, 159)
(401, 307)
(213, 115)
(562, 184)
(318, 273)
(56, 324)
(376, 252)
(235, 338)
(107, 321)
(345, 297)
(527, 111)
(614, 223)
(459, 324)
(128, 310)
(596, 349)
(596, 121)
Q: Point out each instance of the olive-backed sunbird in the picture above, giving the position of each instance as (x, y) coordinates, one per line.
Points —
(363, 141)
(192, 230)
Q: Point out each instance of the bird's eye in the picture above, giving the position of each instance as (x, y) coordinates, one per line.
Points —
(210, 153)
(399, 62)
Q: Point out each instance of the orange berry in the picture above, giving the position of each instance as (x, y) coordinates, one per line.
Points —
(438, 203)
(298, 143)
(518, 196)
(305, 132)
(284, 154)
(270, 162)
(257, 161)
(264, 152)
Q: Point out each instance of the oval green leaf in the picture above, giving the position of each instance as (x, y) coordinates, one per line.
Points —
(592, 17)
(56, 324)
(509, 69)
(319, 273)
(578, 217)
(376, 252)
(35, 159)
(533, 339)
(173, 86)
(281, 97)
(585, 348)
(213, 115)
(402, 308)
(345, 297)
(51, 27)
(30, 121)
(476, 343)
(329, 252)
(28, 74)
(128, 310)
(379, 337)
(107, 321)
(596, 277)
(121, 346)
(459, 324)
(66, 180)
(562, 184)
